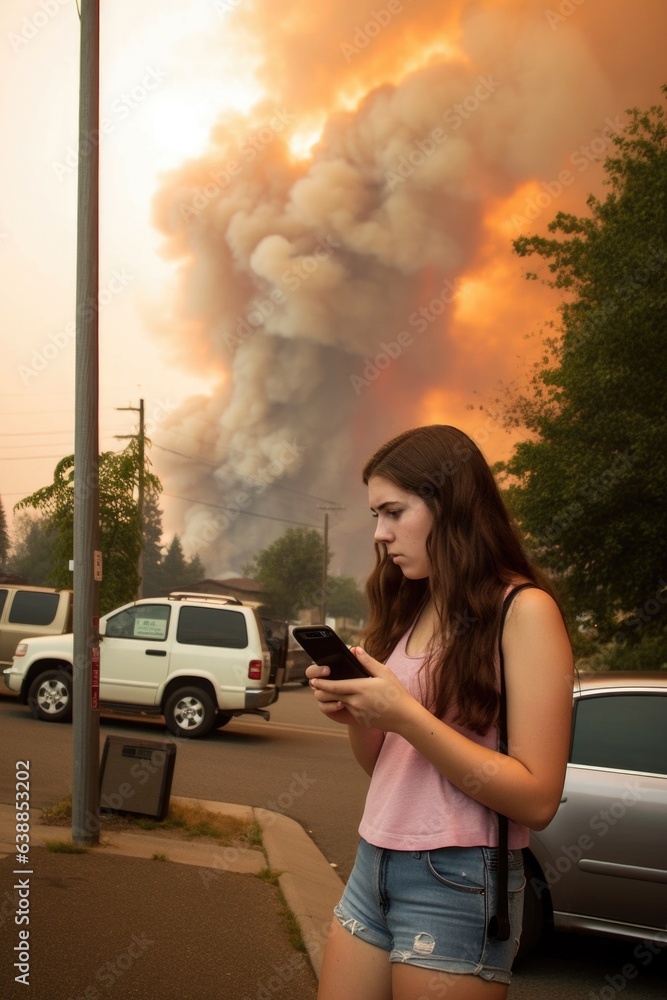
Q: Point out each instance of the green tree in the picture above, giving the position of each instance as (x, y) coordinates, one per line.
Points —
(196, 570)
(290, 571)
(32, 555)
(153, 547)
(4, 536)
(588, 485)
(120, 533)
(344, 599)
(177, 572)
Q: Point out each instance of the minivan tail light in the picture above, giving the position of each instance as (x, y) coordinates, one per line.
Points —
(255, 670)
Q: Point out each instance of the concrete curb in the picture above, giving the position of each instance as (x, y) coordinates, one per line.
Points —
(310, 886)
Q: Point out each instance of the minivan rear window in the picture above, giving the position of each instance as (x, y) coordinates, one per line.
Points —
(30, 607)
(212, 627)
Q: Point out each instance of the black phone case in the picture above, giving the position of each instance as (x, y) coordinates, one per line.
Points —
(328, 650)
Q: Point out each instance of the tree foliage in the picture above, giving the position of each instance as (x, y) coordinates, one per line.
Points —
(172, 571)
(120, 532)
(4, 536)
(588, 486)
(153, 548)
(344, 599)
(32, 553)
(290, 572)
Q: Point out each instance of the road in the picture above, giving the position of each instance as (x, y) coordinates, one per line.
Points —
(300, 764)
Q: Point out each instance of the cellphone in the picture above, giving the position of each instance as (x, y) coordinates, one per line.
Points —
(328, 650)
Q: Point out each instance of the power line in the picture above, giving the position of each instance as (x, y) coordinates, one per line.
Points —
(273, 486)
(235, 510)
(18, 434)
(22, 458)
(190, 458)
(22, 447)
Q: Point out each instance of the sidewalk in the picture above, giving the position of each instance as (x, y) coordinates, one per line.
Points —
(115, 923)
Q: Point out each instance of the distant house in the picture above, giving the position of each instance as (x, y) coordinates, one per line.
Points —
(241, 587)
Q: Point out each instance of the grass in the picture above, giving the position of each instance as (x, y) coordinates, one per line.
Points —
(59, 813)
(64, 847)
(292, 927)
(188, 819)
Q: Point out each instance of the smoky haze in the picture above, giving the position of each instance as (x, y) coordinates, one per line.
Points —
(320, 290)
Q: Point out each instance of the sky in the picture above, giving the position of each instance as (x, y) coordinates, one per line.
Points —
(306, 224)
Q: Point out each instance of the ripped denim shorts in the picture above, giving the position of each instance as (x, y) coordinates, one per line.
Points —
(432, 908)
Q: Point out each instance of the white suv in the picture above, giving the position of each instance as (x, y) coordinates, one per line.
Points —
(196, 659)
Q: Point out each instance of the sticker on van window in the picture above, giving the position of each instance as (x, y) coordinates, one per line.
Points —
(150, 628)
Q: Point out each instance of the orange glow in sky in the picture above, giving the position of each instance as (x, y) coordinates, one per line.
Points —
(326, 167)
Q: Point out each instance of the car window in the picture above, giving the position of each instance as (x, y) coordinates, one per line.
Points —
(3, 598)
(623, 731)
(212, 627)
(30, 607)
(143, 621)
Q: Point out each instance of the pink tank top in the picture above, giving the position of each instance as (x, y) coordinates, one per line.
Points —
(410, 806)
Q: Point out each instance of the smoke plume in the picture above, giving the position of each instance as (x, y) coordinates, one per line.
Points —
(340, 292)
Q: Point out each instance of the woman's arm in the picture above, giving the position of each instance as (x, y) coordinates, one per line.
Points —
(366, 744)
(525, 785)
(365, 740)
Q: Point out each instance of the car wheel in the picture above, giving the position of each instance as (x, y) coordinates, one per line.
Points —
(189, 712)
(222, 718)
(50, 696)
(534, 907)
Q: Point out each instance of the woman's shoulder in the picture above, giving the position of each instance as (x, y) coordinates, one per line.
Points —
(531, 604)
(535, 633)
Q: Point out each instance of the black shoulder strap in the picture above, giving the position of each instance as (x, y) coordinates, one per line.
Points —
(502, 710)
(499, 925)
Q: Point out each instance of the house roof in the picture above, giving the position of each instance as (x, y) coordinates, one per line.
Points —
(239, 583)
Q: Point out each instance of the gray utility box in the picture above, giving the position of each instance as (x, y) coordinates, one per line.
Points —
(136, 776)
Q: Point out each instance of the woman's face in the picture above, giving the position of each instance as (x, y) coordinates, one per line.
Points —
(403, 525)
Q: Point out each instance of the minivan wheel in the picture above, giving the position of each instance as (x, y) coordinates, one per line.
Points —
(189, 712)
(50, 696)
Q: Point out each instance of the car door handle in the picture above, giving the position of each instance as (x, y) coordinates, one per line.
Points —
(156, 652)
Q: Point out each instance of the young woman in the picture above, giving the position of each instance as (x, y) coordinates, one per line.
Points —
(413, 923)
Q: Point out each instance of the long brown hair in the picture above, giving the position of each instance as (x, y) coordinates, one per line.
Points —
(474, 551)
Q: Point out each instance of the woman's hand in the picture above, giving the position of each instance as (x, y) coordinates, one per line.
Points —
(328, 704)
(379, 701)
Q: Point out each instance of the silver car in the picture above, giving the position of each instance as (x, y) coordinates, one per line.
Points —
(601, 864)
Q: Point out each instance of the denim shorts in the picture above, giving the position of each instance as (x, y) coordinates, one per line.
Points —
(432, 908)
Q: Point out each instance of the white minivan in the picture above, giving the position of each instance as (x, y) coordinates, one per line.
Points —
(196, 659)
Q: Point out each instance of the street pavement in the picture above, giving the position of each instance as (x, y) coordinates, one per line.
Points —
(117, 923)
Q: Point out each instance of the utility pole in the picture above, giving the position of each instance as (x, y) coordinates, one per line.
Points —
(326, 507)
(141, 453)
(87, 558)
(325, 568)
